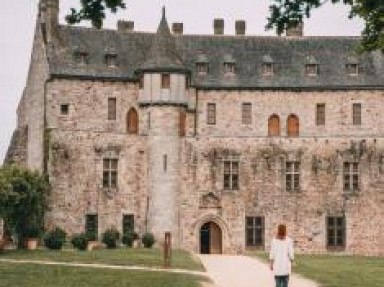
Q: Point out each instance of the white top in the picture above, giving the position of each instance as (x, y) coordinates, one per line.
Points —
(282, 254)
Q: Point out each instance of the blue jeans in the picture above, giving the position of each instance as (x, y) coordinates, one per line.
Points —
(282, 281)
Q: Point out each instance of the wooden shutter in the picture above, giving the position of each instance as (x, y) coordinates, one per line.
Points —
(132, 121)
(320, 114)
(356, 114)
(165, 81)
(293, 126)
(274, 126)
(183, 119)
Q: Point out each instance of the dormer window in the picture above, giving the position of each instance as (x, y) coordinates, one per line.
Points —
(311, 67)
(311, 70)
(267, 66)
(111, 60)
(229, 68)
(81, 58)
(352, 69)
(202, 68)
(229, 65)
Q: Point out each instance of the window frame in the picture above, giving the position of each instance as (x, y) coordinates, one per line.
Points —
(335, 231)
(352, 69)
(308, 69)
(232, 176)
(229, 68)
(320, 114)
(351, 176)
(166, 81)
(110, 172)
(211, 113)
(246, 114)
(112, 109)
(202, 68)
(292, 176)
(357, 114)
(64, 112)
(258, 232)
(111, 60)
(81, 58)
(267, 69)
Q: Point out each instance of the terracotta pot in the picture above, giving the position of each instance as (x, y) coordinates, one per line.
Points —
(136, 243)
(91, 245)
(32, 243)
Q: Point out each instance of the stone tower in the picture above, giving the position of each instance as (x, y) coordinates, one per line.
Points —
(163, 95)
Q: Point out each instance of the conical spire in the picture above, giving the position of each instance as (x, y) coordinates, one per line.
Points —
(163, 54)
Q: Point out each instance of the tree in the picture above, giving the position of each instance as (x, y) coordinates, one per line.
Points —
(23, 200)
(94, 11)
(284, 14)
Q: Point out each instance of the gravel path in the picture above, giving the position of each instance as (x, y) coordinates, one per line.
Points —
(243, 271)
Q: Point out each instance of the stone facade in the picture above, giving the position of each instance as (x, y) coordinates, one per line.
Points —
(171, 172)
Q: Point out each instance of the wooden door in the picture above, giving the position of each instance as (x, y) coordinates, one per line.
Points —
(274, 126)
(215, 239)
(293, 126)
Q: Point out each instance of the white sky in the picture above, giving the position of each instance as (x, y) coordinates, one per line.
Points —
(17, 24)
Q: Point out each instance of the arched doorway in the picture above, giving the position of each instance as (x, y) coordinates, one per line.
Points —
(211, 238)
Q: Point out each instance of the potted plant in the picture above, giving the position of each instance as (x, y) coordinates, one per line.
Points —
(91, 240)
(148, 240)
(136, 240)
(80, 241)
(32, 237)
(55, 238)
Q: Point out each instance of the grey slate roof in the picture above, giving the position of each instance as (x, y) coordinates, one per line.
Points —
(137, 51)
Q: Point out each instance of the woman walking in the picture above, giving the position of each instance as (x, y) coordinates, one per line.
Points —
(281, 256)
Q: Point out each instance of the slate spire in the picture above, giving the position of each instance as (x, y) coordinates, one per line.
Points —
(163, 55)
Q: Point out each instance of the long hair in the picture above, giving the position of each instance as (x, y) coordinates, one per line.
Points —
(281, 232)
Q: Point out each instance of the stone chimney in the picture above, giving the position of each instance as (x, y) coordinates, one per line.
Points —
(178, 28)
(218, 26)
(49, 19)
(297, 31)
(240, 27)
(125, 26)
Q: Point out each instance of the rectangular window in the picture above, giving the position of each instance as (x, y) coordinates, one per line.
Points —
(292, 176)
(128, 223)
(202, 68)
(229, 68)
(267, 69)
(81, 58)
(165, 81)
(336, 232)
(111, 60)
(351, 176)
(246, 113)
(320, 114)
(64, 109)
(211, 114)
(112, 109)
(356, 110)
(352, 69)
(91, 224)
(110, 172)
(254, 231)
(231, 175)
(311, 70)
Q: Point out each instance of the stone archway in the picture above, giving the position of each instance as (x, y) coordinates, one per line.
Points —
(211, 238)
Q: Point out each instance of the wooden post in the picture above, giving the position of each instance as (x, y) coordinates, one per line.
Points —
(167, 250)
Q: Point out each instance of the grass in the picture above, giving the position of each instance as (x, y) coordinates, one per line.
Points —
(30, 275)
(121, 256)
(339, 271)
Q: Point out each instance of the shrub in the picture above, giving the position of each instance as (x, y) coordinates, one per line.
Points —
(55, 238)
(148, 240)
(128, 238)
(111, 238)
(91, 236)
(80, 241)
(32, 232)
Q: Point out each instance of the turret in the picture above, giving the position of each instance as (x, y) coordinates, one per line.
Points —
(49, 19)
(163, 96)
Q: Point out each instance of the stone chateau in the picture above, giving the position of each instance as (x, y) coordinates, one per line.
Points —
(214, 138)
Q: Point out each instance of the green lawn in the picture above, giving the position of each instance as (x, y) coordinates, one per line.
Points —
(30, 275)
(339, 271)
(120, 256)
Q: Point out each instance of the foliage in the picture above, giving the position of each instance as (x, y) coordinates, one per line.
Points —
(33, 232)
(55, 238)
(286, 14)
(111, 238)
(148, 240)
(91, 235)
(94, 11)
(128, 238)
(80, 241)
(23, 200)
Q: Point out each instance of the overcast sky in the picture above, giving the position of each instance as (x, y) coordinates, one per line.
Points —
(17, 24)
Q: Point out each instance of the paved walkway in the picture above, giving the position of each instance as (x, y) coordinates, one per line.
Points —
(242, 271)
(104, 266)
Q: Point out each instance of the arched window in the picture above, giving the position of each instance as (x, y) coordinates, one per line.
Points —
(274, 126)
(293, 126)
(132, 121)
